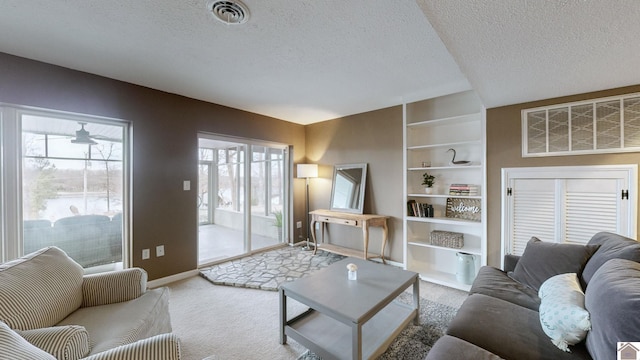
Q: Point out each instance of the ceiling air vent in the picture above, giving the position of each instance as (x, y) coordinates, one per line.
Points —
(229, 12)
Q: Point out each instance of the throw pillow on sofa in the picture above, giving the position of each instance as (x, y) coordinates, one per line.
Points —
(562, 313)
(612, 246)
(542, 260)
(613, 299)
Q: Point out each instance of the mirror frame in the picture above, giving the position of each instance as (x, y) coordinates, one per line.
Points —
(363, 182)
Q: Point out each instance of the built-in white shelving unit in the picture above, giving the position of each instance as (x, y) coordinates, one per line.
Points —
(431, 128)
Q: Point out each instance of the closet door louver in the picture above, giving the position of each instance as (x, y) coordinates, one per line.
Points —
(534, 212)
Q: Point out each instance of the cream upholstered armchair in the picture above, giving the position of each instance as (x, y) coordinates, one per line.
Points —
(50, 310)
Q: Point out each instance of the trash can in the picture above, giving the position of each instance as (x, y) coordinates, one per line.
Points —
(466, 271)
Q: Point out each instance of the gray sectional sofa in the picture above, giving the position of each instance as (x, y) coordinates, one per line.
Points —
(501, 318)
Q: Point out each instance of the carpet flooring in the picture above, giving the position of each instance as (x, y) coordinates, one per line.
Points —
(414, 342)
(267, 270)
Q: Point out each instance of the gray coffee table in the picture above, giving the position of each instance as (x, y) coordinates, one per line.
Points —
(349, 319)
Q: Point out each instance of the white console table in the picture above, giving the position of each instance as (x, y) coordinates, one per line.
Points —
(363, 221)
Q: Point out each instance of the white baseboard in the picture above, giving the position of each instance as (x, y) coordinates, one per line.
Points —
(169, 279)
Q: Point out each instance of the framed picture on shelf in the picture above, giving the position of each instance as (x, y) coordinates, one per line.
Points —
(466, 209)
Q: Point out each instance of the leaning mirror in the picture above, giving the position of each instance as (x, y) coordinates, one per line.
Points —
(347, 193)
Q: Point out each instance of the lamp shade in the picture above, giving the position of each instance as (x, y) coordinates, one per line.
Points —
(307, 170)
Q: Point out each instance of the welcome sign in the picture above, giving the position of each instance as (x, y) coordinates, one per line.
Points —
(466, 209)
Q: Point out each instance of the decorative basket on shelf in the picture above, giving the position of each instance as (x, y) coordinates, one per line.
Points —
(448, 239)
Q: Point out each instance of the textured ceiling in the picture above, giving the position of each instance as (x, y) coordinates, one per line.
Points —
(307, 60)
(514, 51)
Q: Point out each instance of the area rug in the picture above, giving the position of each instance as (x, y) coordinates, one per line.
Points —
(414, 342)
(267, 270)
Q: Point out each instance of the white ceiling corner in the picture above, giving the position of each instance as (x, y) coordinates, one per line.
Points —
(306, 61)
(515, 51)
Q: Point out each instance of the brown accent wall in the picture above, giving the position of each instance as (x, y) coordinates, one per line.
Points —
(504, 149)
(374, 138)
(165, 128)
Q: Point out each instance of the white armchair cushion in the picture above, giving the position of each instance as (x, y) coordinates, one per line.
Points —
(69, 342)
(40, 289)
(14, 347)
(122, 323)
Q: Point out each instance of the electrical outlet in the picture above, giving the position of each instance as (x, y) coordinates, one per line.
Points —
(159, 250)
(146, 254)
(299, 225)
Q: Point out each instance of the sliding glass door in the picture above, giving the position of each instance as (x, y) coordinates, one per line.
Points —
(239, 214)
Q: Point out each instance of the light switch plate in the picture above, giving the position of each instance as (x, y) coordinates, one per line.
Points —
(146, 254)
(186, 185)
(159, 250)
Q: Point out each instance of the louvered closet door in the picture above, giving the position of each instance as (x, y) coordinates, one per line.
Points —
(593, 205)
(534, 212)
(567, 204)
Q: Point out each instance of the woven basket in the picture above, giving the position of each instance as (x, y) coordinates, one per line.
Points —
(448, 239)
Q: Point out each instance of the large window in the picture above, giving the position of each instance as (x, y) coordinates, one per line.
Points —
(71, 189)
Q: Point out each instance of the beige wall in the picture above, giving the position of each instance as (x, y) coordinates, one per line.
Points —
(374, 138)
(504, 149)
(165, 147)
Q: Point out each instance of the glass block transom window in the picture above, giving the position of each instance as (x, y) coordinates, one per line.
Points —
(588, 127)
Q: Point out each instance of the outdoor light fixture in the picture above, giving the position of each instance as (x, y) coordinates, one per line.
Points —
(307, 171)
(82, 136)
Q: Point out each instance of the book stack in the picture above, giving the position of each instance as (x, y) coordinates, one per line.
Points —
(464, 190)
(419, 209)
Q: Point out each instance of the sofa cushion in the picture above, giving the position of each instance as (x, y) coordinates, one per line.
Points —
(69, 342)
(542, 260)
(507, 330)
(452, 348)
(13, 346)
(125, 322)
(613, 299)
(562, 314)
(40, 289)
(612, 246)
(495, 282)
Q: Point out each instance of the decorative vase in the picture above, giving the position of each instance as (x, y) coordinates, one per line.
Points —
(428, 190)
(352, 275)
(352, 271)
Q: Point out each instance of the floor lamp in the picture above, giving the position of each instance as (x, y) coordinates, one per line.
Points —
(307, 171)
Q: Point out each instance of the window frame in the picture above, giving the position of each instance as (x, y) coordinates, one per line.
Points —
(11, 237)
